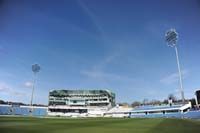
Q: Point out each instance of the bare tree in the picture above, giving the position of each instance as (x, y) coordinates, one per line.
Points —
(172, 97)
(136, 103)
(145, 101)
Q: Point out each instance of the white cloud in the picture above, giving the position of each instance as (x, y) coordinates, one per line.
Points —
(98, 71)
(4, 89)
(103, 75)
(99, 74)
(28, 84)
(9, 91)
(94, 19)
(105, 62)
(174, 77)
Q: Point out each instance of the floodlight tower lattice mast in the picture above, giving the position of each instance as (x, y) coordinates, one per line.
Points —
(171, 37)
(35, 69)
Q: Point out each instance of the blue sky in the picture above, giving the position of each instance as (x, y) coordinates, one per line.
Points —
(91, 44)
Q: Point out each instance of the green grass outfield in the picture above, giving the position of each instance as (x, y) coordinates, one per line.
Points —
(97, 125)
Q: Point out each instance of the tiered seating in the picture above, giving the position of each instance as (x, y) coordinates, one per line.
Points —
(119, 110)
(22, 110)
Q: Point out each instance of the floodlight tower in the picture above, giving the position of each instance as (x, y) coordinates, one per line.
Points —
(171, 37)
(35, 69)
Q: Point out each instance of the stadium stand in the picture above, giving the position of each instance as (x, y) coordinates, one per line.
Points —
(22, 110)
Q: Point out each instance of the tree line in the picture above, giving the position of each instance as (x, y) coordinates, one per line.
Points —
(146, 101)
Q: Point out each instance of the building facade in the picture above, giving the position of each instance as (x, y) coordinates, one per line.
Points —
(197, 98)
(87, 102)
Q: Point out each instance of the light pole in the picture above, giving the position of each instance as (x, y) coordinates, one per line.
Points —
(35, 69)
(171, 37)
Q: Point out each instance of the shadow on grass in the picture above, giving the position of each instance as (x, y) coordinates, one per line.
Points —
(177, 126)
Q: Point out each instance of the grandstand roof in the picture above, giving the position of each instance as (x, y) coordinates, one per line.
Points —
(158, 108)
(81, 92)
